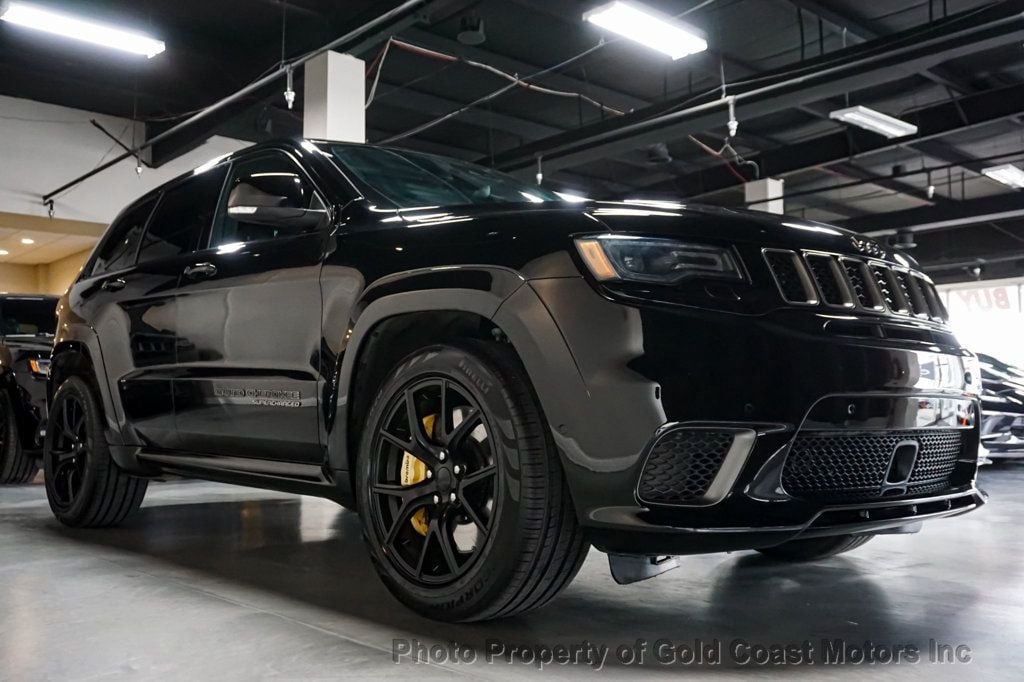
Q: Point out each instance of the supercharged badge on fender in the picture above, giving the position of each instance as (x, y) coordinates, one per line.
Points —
(259, 396)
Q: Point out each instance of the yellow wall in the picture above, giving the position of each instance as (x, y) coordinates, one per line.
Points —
(49, 278)
(20, 279)
(61, 273)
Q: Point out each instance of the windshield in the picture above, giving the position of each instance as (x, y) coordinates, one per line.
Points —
(409, 179)
(28, 316)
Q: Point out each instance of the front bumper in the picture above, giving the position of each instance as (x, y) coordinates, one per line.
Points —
(635, 530)
(777, 377)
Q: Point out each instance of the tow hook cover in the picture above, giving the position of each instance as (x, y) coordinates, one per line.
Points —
(631, 568)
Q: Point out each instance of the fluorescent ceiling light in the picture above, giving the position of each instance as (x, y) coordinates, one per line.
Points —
(1008, 174)
(26, 240)
(69, 26)
(875, 121)
(572, 198)
(647, 27)
(4, 252)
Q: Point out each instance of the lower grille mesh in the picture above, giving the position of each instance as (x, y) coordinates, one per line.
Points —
(832, 466)
(682, 465)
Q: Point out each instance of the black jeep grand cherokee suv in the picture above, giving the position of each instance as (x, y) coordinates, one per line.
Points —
(497, 378)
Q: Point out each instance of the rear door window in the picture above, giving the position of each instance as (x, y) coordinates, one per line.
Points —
(118, 250)
(183, 215)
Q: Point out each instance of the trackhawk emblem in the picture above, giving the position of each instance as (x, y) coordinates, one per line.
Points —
(868, 247)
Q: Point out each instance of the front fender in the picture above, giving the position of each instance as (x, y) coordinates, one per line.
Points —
(479, 290)
(600, 419)
(80, 339)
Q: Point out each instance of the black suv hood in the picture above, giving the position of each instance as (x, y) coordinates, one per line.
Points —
(668, 219)
(732, 225)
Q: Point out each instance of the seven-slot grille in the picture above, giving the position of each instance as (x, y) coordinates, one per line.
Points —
(835, 466)
(811, 278)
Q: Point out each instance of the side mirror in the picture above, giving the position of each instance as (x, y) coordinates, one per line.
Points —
(249, 204)
(279, 216)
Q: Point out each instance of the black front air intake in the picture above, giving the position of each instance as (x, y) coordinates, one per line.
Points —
(682, 466)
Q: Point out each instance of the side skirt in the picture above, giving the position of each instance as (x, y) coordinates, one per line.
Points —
(288, 477)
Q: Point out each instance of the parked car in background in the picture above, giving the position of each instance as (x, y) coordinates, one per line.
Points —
(1002, 408)
(27, 325)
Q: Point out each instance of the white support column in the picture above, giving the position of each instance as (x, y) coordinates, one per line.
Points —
(334, 98)
(765, 195)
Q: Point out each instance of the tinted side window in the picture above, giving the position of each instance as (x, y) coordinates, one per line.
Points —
(269, 180)
(118, 251)
(181, 217)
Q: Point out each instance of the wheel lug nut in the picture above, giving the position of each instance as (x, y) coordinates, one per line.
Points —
(457, 469)
(430, 474)
(451, 497)
(436, 499)
(441, 455)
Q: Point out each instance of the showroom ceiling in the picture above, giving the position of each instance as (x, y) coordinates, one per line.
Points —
(960, 79)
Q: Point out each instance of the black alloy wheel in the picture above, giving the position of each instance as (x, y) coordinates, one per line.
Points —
(465, 507)
(68, 452)
(434, 527)
(84, 485)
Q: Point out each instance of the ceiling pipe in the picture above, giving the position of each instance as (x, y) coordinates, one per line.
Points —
(907, 52)
(993, 208)
(397, 14)
(874, 179)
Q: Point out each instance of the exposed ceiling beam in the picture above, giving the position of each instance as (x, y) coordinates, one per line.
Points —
(709, 62)
(893, 184)
(866, 29)
(856, 67)
(505, 125)
(933, 122)
(970, 212)
(849, 169)
(607, 96)
(434, 105)
(192, 136)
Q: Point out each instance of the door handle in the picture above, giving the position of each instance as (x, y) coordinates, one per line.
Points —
(201, 270)
(113, 285)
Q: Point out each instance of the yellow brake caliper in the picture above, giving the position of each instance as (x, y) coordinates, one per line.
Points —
(414, 471)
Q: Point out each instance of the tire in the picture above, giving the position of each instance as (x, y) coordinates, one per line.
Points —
(16, 466)
(815, 548)
(509, 488)
(85, 487)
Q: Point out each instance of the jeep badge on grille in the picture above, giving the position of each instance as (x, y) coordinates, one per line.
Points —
(868, 246)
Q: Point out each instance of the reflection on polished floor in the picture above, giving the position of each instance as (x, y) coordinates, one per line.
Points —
(216, 582)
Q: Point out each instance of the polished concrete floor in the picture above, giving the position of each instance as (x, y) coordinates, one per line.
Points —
(222, 583)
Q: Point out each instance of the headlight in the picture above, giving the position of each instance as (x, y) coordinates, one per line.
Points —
(659, 261)
(39, 366)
